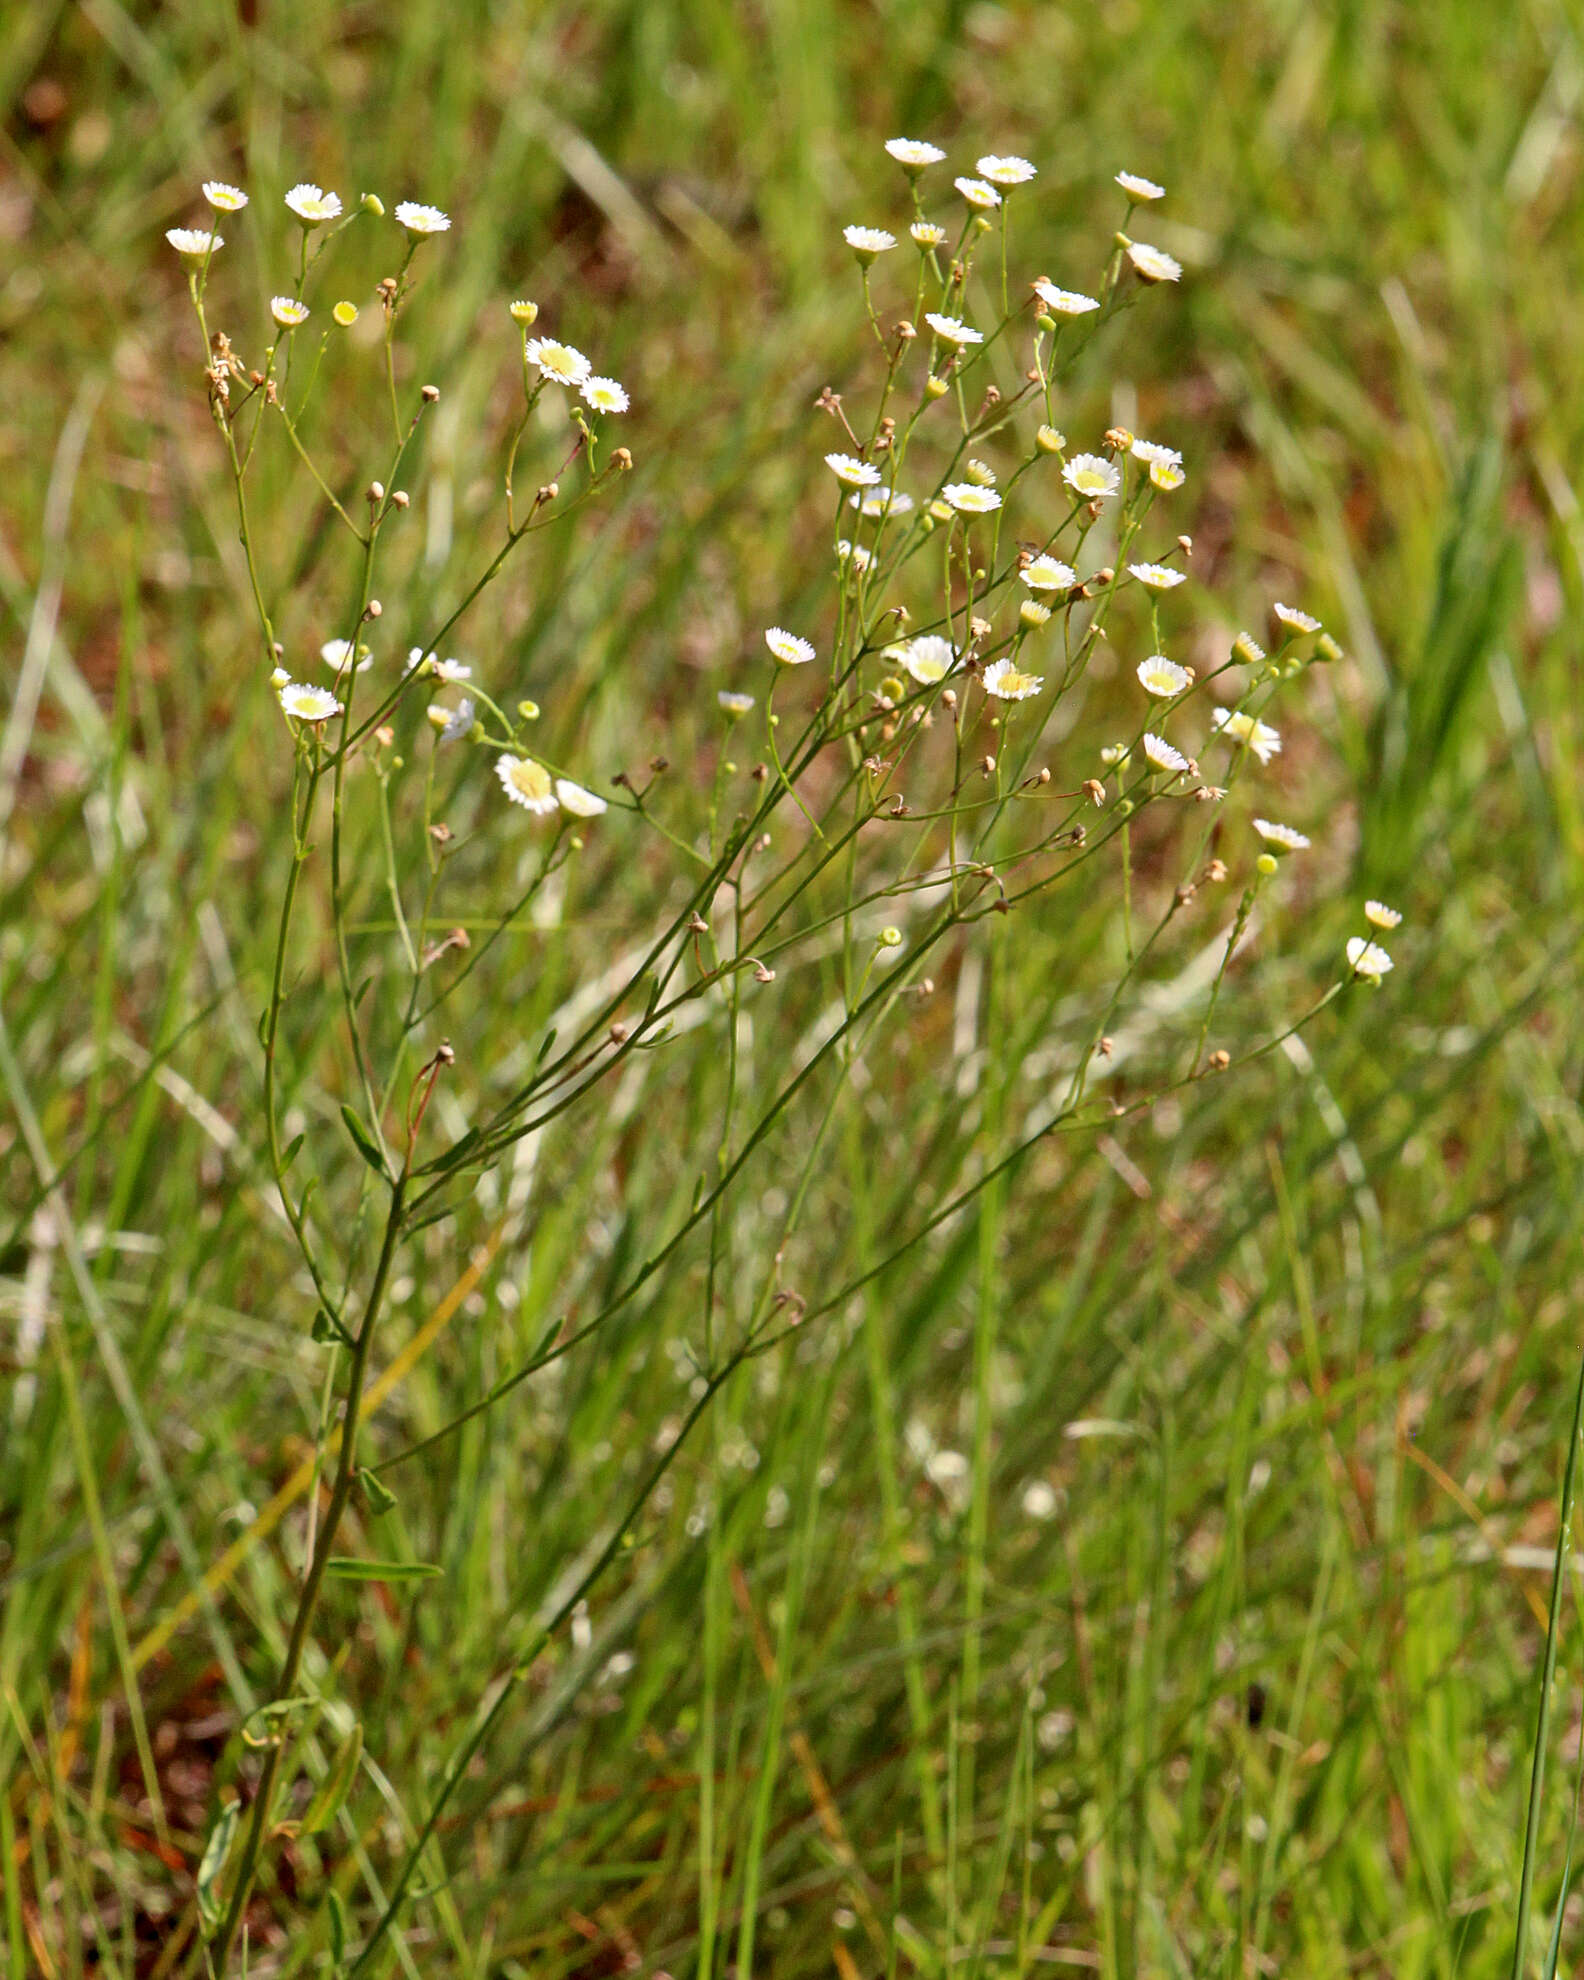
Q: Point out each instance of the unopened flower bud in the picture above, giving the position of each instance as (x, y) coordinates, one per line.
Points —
(1326, 648)
(528, 710)
(346, 314)
(1266, 864)
(376, 492)
(890, 938)
(372, 203)
(525, 313)
(373, 610)
(988, 766)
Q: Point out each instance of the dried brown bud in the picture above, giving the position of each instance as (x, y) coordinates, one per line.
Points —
(1185, 545)
(374, 493)
(400, 498)
(1104, 1048)
(988, 766)
(430, 394)
(549, 492)
(622, 459)
(697, 924)
(905, 331)
(1094, 790)
(620, 1033)
(1219, 1061)
(373, 609)
(980, 628)
(1216, 870)
(1185, 893)
(441, 834)
(761, 974)
(384, 735)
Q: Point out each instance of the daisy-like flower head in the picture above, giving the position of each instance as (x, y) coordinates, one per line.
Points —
(1092, 476)
(422, 220)
(340, 655)
(969, 500)
(1152, 454)
(867, 242)
(788, 648)
(925, 234)
(1153, 264)
(853, 473)
(1139, 191)
(1280, 838)
(929, 658)
(1159, 577)
(1166, 475)
(952, 331)
(1007, 682)
(913, 154)
(307, 704)
(1248, 649)
(526, 783)
(194, 243)
(452, 723)
(981, 474)
(1116, 756)
(1255, 735)
(577, 801)
(451, 671)
(605, 395)
(735, 705)
(1005, 171)
(288, 312)
(1063, 302)
(312, 206)
(224, 198)
(416, 657)
(1033, 614)
(1048, 574)
(1162, 677)
(873, 502)
(1367, 959)
(854, 555)
(280, 678)
(1379, 915)
(559, 362)
(1163, 756)
(1294, 620)
(525, 313)
(981, 197)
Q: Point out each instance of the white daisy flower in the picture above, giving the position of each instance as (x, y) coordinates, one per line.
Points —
(874, 502)
(523, 312)
(983, 198)
(307, 704)
(1092, 476)
(925, 234)
(1294, 620)
(1007, 682)
(422, 220)
(1163, 756)
(981, 474)
(1138, 190)
(1033, 614)
(224, 198)
(452, 723)
(853, 473)
(194, 243)
(1367, 959)
(929, 658)
(288, 312)
(969, 500)
(913, 154)
(1379, 915)
(1163, 677)
(604, 395)
(312, 206)
(1259, 737)
(451, 671)
(559, 362)
(340, 654)
(279, 678)
(1063, 302)
(1166, 475)
(1248, 649)
(1152, 454)
(735, 704)
(1116, 756)
(951, 331)
(415, 658)
(579, 802)
(853, 554)
(1282, 837)
(1159, 577)
(1153, 264)
(526, 783)
(1005, 171)
(788, 648)
(1048, 574)
(867, 242)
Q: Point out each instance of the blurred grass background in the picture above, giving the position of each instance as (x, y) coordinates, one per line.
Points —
(1258, 1661)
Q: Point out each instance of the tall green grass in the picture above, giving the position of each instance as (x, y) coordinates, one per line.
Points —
(1294, 1363)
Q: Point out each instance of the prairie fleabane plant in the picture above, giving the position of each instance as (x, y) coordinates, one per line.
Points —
(899, 780)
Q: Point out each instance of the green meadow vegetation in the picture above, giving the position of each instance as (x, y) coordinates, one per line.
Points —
(940, 1386)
